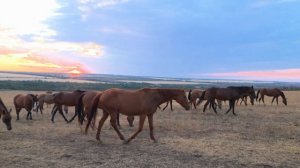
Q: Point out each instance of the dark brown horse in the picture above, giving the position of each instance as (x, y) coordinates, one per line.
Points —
(67, 99)
(24, 101)
(5, 114)
(275, 93)
(197, 96)
(230, 93)
(142, 102)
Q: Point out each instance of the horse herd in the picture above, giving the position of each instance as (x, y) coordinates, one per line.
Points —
(142, 102)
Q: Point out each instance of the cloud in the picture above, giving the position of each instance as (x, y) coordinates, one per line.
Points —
(87, 6)
(27, 40)
(281, 74)
(26, 62)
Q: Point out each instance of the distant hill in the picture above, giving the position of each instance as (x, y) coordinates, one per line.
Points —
(60, 81)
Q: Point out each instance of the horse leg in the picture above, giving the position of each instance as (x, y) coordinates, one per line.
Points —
(273, 100)
(130, 120)
(60, 110)
(233, 103)
(18, 112)
(118, 120)
(205, 105)
(113, 118)
(214, 106)
(54, 110)
(101, 122)
(230, 106)
(277, 100)
(142, 120)
(245, 101)
(76, 113)
(150, 120)
(166, 106)
(263, 99)
(194, 103)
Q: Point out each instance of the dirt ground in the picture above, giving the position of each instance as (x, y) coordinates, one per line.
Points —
(259, 136)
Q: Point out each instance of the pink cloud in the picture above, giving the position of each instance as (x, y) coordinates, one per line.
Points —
(281, 74)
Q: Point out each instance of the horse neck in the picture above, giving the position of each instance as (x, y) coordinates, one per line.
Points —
(2, 106)
(282, 95)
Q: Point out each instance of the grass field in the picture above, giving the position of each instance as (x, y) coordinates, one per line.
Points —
(259, 136)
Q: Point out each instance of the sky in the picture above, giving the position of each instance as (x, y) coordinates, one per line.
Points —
(248, 39)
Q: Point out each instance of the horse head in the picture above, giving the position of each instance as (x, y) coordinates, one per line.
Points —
(6, 117)
(284, 101)
(182, 100)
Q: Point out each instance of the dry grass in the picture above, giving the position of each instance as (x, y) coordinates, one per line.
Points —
(260, 136)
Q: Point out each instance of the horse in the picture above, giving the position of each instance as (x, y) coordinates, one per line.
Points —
(67, 99)
(197, 95)
(193, 96)
(85, 101)
(24, 101)
(42, 99)
(275, 93)
(229, 93)
(143, 103)
(5, 114)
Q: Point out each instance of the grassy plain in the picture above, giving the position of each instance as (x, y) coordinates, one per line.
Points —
(259, 136)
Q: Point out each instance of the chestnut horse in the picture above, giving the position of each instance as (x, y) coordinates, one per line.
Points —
(24, 101)
(86, 101)
(67, 99)
(275, 93)
(5, 114)
(142, 102)
(229, 93)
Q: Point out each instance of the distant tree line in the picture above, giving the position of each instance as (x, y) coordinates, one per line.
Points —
(68, 86)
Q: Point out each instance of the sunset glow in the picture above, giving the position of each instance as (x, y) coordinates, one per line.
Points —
(283, 74)
(256, 39)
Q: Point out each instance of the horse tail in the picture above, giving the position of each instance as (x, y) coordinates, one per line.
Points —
(190, 95)
(92, 112)
(257, 94)
(201, 98)
(79, 106)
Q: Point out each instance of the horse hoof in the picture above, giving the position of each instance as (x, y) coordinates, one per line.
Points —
(155, 141)
(125, 142)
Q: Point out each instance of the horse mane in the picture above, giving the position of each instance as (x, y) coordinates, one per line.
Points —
(1, 103)
(81, 91)
(282, 95)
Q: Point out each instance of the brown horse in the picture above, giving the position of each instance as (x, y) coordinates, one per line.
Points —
(275, 93)
(67, 99)
(229, 93)
(142, 102)
(193, 96)
(197, 96)
(42, 99)
(24, 101)
(5, 114)
(86, 101)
